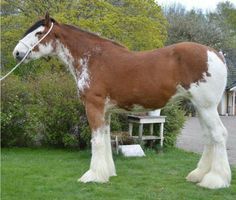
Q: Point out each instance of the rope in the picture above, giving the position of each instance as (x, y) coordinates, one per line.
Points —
(27, 53)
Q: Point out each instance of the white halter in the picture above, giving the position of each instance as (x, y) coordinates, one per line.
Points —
(27, 53)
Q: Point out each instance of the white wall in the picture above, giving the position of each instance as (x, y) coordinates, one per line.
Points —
(231, 102)
(222, 107)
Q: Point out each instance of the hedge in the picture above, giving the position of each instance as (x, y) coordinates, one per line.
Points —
(46, 111)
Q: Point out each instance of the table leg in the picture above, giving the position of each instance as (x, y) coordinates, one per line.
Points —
(151, 129)
(130, 129)
(117, 145)
(161, 133)
(140, 132)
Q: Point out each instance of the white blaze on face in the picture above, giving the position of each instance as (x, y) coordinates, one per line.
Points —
(44, 50)
(29, 41)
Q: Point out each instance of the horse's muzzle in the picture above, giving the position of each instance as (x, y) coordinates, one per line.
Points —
(19, 55)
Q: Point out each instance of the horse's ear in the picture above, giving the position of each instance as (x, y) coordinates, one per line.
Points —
(47, 19)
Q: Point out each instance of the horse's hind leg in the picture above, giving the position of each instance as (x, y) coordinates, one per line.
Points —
(213, 169)
(219, 174)
(204, 163)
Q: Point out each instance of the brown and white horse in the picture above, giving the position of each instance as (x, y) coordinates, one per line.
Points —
(109, 75)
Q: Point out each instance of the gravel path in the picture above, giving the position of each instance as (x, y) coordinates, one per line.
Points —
(191, 137)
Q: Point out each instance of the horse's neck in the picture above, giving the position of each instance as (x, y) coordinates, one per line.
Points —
(80, 42)
(72, 46)
(75, 46)
(63, 52)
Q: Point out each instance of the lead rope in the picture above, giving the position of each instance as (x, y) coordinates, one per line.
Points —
(27, 53)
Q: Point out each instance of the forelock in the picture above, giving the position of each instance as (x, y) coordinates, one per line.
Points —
(35, 26)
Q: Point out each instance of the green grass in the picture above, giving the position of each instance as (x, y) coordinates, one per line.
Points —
(32, 174)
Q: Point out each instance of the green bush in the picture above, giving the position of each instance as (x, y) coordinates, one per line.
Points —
(45, 110)
(188, 107)
(14, 116)
(174, 122)
(42, 111)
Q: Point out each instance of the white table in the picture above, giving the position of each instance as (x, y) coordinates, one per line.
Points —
(141, 120)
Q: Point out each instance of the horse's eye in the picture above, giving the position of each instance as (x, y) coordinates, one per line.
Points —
(38, 33)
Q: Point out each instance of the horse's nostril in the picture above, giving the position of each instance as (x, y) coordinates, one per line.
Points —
(19, 55)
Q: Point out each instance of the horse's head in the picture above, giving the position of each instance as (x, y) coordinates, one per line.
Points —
(43, 28)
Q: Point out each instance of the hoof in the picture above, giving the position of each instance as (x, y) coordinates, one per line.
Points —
(112, 171)
(114, 174)
(91, 176)
(196, 175)
(214, 181)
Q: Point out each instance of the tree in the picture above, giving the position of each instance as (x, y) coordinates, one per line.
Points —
(138, 24)
(227, 12)
(225, 17)
(193, 26)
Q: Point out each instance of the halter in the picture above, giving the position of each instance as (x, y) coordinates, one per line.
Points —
(30, 48)
(25, 44)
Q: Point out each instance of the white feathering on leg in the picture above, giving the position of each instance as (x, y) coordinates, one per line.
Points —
(102, 165)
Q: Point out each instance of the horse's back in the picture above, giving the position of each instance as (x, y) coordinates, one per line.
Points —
(151, 78)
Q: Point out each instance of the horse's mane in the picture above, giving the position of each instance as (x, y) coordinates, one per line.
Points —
(42, 23)
(75, 28)
(36, 25)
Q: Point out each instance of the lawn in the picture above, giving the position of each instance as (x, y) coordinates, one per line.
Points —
(50, 174)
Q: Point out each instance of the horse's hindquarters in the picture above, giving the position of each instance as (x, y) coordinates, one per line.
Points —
(213, 169)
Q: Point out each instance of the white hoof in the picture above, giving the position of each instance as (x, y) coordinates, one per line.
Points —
(113, 174)
(196, 175)
(214, 181)
(91, 176)
(112, 171)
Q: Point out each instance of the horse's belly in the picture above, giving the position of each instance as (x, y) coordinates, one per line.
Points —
(132, 109)
(124, 107)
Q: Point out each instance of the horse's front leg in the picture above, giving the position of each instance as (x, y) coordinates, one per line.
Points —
(102, 165)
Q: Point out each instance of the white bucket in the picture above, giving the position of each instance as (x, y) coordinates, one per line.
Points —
(155, 113)
(133, 150)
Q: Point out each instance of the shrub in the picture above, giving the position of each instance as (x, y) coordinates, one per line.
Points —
(42, 111)
(13, 113)
(188, 107)
(45, 110)
(174, 122)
